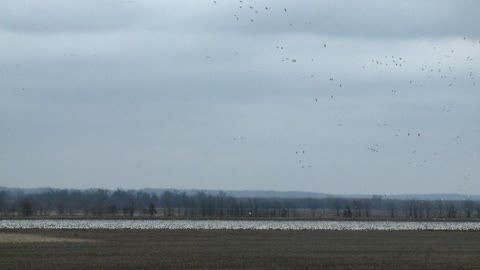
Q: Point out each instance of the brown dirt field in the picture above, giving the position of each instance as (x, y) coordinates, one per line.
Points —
(211, 249)
(33, 238)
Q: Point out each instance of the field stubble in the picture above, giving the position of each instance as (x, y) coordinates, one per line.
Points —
(241, 249)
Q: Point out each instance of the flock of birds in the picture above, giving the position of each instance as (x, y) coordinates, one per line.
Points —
(438, 71)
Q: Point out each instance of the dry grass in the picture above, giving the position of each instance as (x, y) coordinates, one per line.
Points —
(210, 249)
(14, 238)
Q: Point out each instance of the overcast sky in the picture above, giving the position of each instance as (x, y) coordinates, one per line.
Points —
(327, 96)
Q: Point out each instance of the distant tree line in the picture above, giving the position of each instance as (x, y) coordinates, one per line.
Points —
(176, 204)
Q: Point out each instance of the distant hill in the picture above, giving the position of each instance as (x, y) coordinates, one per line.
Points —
(24, 190)
(247, 193)
(447, 196)
(281, 194)
(302, 194)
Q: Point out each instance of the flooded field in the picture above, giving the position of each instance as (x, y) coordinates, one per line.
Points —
(241, 225)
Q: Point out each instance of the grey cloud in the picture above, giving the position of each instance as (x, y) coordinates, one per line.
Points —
(153, 93)
(361, 19)
(67, 16)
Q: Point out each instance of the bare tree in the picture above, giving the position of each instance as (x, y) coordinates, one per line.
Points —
(451, 210)
(337, 204)
(366, 204)
(3, 195)
(112, 210)
(468, 208)
(440, 208)
(357, 206)
(428, 208)
(26, 207)
(151, 209)
(392, 207)
(312, 204)
(477, 207)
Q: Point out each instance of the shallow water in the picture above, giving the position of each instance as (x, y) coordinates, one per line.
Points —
(239, 225)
